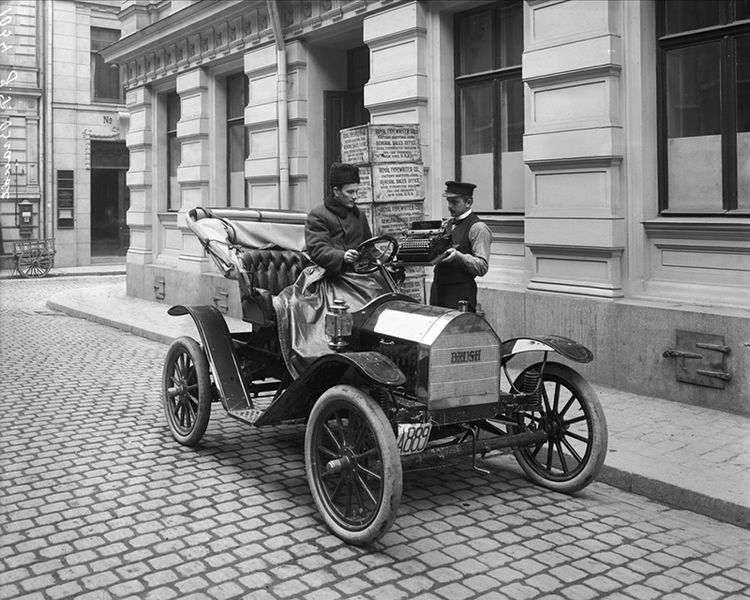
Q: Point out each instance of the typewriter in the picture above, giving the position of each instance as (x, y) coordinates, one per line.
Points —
(424, 242)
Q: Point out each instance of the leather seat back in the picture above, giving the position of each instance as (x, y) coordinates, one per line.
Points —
(270, 272)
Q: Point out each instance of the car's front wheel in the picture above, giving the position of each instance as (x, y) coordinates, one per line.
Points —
(573, 419)
(353, 465)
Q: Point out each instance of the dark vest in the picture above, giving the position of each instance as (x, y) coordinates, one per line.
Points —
(452, 272)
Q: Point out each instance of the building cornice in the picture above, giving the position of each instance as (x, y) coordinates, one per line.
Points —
(212, 29)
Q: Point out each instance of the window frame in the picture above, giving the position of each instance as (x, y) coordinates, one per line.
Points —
(97, 62)
(496, 76)
(170, 135)
(233, 121)
(726, 35)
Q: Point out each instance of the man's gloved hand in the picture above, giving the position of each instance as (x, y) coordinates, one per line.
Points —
(351, 255)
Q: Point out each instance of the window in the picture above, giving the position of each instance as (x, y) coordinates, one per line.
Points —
(237, 144)
(489, 104)
(105, 79)
(173, 151)
(704, 106)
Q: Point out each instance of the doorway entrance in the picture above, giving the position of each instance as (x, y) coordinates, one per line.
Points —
(110, 200)
(346, 108)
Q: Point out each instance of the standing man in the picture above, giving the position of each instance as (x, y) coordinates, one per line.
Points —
(470, 255)
(334, 229)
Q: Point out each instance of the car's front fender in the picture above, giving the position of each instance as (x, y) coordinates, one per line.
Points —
(549, 343)
(327, 371)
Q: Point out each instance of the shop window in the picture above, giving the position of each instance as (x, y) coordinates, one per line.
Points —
(174, 155)
(237, 141)
(105, 78)
(489, 104)
(704, 106)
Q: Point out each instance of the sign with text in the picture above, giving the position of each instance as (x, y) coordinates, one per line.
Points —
(395, 218)
(375, 144)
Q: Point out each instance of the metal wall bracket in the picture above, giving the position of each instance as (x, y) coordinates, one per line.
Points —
(701, 359)
(160, 286)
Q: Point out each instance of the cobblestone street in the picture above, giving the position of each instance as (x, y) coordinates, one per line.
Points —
(98, 501)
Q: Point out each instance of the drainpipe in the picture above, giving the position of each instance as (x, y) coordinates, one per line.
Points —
(281, 111)
(48, 133)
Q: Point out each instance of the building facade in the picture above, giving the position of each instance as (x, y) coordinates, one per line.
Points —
(65, 157)
(609, 141)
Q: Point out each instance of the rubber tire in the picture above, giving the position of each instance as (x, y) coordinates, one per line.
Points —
(197, 369)
(596, 424)
(350, 398)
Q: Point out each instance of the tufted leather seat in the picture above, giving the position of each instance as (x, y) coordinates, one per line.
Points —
(270, 272)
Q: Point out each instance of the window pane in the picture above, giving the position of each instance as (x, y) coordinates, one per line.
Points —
(511, 34)
(174, 162)
(743, 121)
(694, 128)
(511, 103)
(106, 80)
(685, 15)
(694, 90)
(236, 92)
(173, 111)
(476, 118)
(102, 37)
(236, 137)
(742, 10)
(511, 145)
(477, 142)
(475, 38)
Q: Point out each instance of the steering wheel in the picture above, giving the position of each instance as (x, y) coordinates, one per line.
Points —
(375, 252)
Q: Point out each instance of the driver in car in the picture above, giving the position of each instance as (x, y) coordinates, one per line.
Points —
(335, 228)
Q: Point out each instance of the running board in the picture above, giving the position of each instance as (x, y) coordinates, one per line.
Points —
(249, 416)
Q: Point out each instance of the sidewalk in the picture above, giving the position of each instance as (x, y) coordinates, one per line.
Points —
(688, 457)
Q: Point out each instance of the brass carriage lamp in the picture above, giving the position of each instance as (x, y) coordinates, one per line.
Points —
(339, 326)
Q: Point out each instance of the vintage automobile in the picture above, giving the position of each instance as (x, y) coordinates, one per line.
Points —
(402, 383)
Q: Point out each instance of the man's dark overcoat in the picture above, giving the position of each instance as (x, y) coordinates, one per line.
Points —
(331, 230)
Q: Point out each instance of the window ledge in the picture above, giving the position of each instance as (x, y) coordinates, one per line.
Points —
(699, 228)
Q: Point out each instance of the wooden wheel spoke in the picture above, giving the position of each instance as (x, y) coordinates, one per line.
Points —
(348, 498)
(577, 436)
(329, 453)
(550, 449)
(333, 437)
(568, 405)
(574, 420)
(364, 486)
(572, 450)
(369, 472)
(537, 448)
(560, 453)
(366, 454)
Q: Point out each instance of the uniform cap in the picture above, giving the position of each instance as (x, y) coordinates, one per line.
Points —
(458, 188)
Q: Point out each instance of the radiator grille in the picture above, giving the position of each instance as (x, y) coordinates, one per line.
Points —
(464, 368)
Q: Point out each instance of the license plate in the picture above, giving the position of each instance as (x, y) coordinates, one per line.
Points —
(412, 437)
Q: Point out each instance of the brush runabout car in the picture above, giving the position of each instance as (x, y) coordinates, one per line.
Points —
(401, 384)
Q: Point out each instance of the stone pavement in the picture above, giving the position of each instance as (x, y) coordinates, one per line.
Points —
(98, 502)
(685, 456)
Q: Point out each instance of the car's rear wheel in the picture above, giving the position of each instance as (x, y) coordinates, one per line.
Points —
(353, 465)
(572, 416)
(186, 391)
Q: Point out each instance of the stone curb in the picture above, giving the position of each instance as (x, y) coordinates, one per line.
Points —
(675, 496)
(9, 275)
